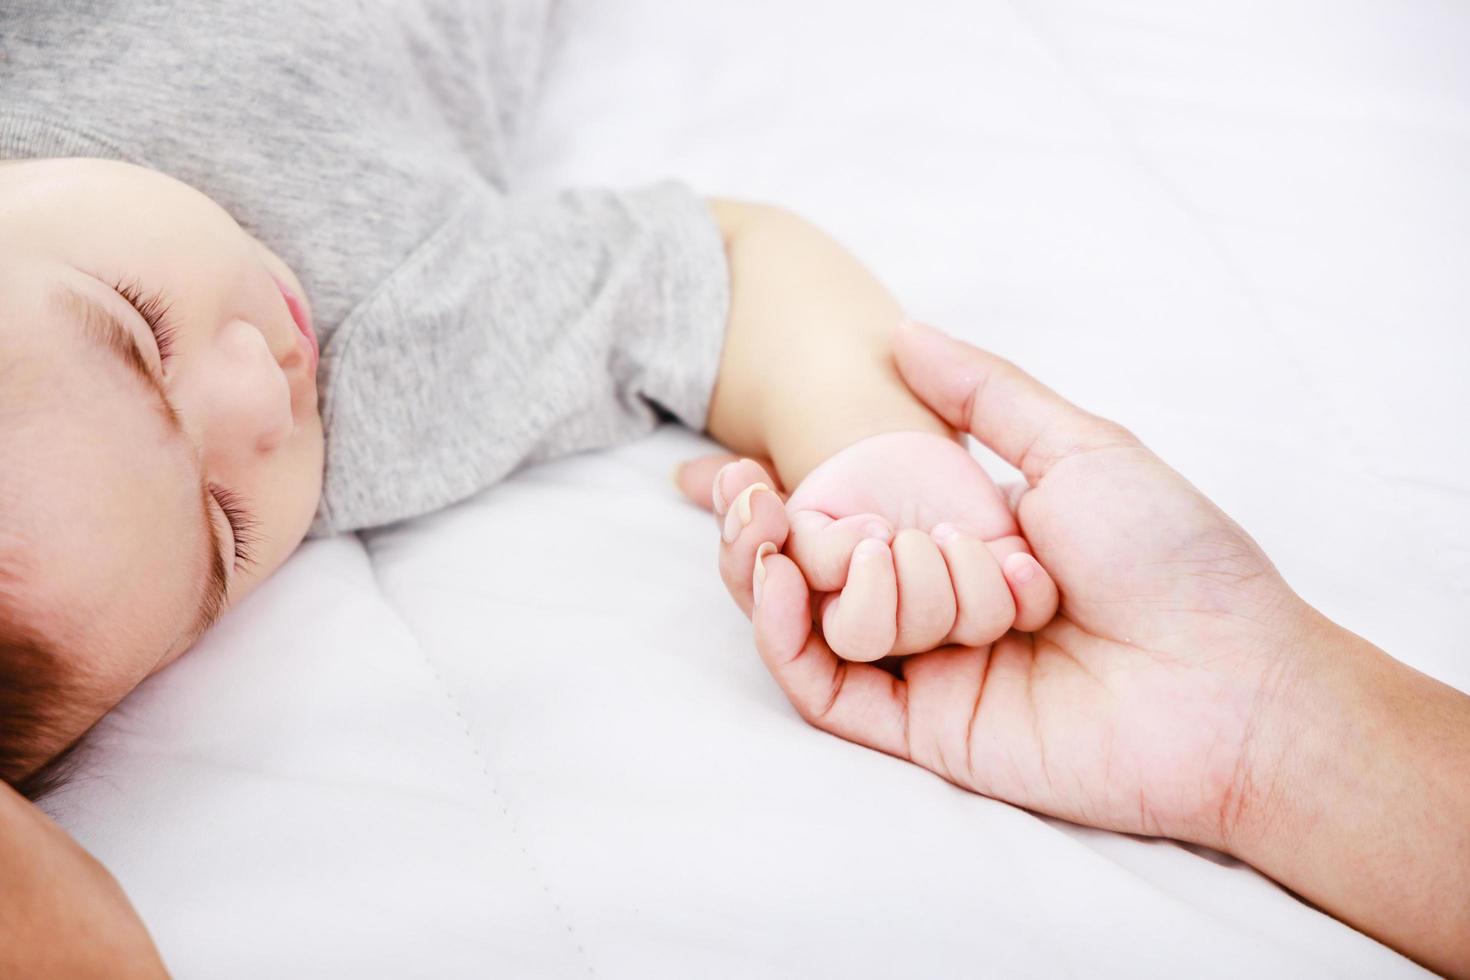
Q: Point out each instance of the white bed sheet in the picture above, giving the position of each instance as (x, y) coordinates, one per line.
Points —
(528, 736)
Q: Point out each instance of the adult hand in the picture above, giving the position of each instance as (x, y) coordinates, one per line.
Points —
(1183, 689)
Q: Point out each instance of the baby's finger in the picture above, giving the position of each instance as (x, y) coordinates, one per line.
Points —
(766, 524)
(926, 601)
(822, 548)
(1035, 591)
(1032, 588)
(985, 608)
(861, 622)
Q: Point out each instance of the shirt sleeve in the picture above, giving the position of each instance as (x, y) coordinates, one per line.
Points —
(523, 329)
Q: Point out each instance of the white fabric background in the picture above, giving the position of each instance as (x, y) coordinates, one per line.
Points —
(528, 736)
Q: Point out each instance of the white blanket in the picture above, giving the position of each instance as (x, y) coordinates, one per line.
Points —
(529, 736)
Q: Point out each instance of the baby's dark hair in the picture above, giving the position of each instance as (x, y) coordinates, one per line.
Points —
(33, 709)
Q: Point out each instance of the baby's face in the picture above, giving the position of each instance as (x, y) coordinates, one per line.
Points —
(160, 447)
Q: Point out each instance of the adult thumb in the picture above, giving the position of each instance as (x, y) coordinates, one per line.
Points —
(1022, 420)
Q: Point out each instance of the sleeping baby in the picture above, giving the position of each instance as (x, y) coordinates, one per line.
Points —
(265, 272)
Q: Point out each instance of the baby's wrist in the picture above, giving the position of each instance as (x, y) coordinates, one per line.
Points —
(799, 441)
(807, 367)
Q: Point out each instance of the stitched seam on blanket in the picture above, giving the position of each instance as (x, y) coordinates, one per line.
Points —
(490, 780)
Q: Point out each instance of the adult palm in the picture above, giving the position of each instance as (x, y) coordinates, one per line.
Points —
(1135, 708)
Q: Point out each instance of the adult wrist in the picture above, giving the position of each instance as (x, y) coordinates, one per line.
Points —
(1300, 751)
(1356, 795)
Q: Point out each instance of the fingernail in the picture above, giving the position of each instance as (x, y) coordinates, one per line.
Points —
(758, 580)
(944, 533)
(717, 492)
(739, 515)
(870, 548)
(876, 529)
(1026, 570)
(742, 502)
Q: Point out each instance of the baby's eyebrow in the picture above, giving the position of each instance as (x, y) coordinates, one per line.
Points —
(103, 329)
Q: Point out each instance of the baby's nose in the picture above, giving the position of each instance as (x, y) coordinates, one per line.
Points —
(255, 409)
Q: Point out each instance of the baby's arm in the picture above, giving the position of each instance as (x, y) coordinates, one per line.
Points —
(806, 379)
(806, 369)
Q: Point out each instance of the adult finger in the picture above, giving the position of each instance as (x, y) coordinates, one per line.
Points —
(1025, 422)
(758, 517)
(822, 548)
(696, 478)
(861, 622)
(984, 607)
(858, 702)
(733, 479)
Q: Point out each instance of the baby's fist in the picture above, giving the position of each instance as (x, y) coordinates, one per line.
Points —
(915, 548)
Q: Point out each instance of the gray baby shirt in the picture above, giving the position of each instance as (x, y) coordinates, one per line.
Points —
(465, 329)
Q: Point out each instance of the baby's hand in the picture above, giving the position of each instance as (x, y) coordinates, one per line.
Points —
(939, 500)
(908, 545)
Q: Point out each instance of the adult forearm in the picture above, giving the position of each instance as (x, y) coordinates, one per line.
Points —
(1361, 797)
(61, 913)
(807, 368)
